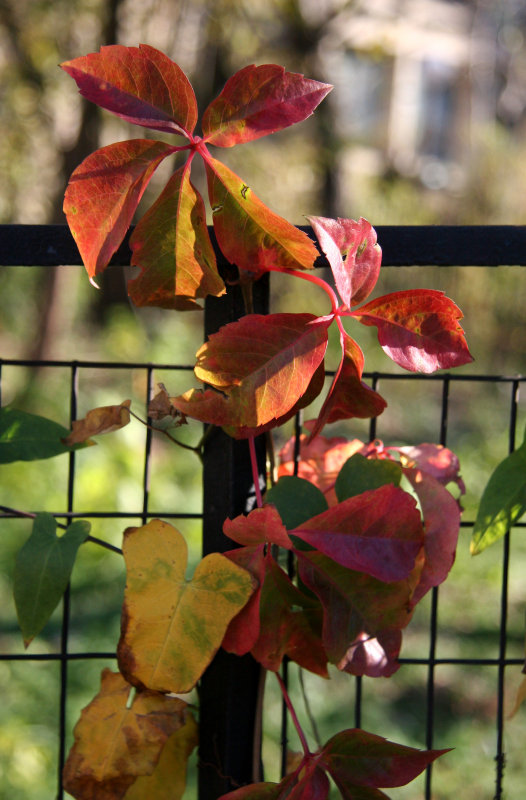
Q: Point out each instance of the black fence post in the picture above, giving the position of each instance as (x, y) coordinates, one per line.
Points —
(228, 716)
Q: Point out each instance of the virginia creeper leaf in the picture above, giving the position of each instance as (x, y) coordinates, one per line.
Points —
(161, 407)
(378, 532)
(249, 234)
(168, 780)
(103, 194)
(261, 364)
(290, 625)
(348, 395)
(42, 571)
(353, 255)
(359, 474)
(243, 630)
(356, 758)
(167, 646)
(172, 246)
(139, 84)
(29, 437)
(262, 525)
(438, 461)
(520, 697)
(260, 100)
(418, 329)
(296, 499)
(264, 791)
(114, 744)
(99, 420)
(503, 501)
(357, 607)
(441, 514)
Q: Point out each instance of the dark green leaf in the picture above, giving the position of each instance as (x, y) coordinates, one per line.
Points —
(297, 500)
(42, 571)
(503, 501)
(359, 474)
(28, 437)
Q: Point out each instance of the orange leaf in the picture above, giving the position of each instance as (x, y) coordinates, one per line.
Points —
(115, 744)
(171, 626)
(99, 420)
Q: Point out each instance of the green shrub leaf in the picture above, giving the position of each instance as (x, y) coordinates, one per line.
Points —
(359, 474)
(28, 437)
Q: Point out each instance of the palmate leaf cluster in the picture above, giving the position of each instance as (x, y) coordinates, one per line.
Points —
(365, 549)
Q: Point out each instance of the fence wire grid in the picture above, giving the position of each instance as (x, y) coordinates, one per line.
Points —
(435, 653)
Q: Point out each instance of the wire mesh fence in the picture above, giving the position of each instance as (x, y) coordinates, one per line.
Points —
(464, 650)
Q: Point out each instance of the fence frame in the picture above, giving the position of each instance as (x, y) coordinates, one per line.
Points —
(228, 715)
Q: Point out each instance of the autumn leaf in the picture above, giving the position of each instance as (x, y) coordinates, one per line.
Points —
(42, 571)
(116, 742)
(261, 526)
(260, 100)
(261, 366)
(418, 329)
(434, 459)
(378, 532)
(348, 395)
(172, 246)
(167, 646)
(250, 235)
(296, 499)
(160, 406)
(353, 255)
(99, 420)
(103, 194)
(243, 630)
(139, 84)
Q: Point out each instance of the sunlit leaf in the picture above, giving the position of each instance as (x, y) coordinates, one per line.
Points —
(262, 525)
(260, 100)
(296, 499)
(348, 395)
(115, 744)
(438, 461)
(261, 364)
(172, 246)
(99, 420)
(139, 84)
(355, 758)
(418, 329)
(353, 255)
(378, 532)
(503, 501)
(520, 697)
(249, 234)
(167, 645)
(168, 780)
(42, 571)
(103, 194)
(29, 437)
(359, 474)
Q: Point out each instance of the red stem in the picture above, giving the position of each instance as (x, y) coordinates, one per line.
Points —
(293, 715)
(307, 276)
(255, 470)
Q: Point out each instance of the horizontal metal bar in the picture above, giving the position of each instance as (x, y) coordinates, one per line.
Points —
(402, 245)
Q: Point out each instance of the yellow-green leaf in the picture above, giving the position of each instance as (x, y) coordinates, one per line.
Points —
(114, 744)
(172, 627)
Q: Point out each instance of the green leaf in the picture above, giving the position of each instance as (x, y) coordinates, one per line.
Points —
(503, 501)
(28, 437)
(359, 474)
(42, 571)
(297, 500)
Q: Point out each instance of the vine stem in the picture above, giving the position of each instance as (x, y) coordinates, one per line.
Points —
(255, 470)
(306, 276)
(293, 715)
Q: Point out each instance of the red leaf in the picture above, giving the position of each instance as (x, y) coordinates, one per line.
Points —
(438, 461)
(378, 532)
(289, 625)
(308, 783)
(357, 758)
(260, 100)
(348, 396)
(374, 656)
(262, 525)
(261, 364)
(353, 255)
(103, 193)
(442, 524)
(418, 329)
(243, 630)
(172, 246)
(250, 235)
(139, 84)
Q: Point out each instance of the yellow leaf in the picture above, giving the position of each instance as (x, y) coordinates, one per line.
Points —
(172, 627)
(168, 780)
(520, 697)
(99, 420)
(115, 744)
